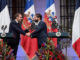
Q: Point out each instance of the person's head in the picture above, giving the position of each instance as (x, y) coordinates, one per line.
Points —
(18, 17)
(37, 17)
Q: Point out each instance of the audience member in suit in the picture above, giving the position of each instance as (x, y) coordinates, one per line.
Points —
(40, 31)
(15, 28)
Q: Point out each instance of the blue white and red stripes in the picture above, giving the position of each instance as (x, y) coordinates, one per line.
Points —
(76, 30)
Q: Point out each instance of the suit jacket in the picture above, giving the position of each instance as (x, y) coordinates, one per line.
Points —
(40, 33)
(15, 28)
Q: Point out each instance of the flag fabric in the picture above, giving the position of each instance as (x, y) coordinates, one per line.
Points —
(50, 14)
(76, 30)
(4, 15)
(28, 44)
(1, 42)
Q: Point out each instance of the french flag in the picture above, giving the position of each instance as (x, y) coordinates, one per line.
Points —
(76, 30)
(50, 14)
(4, 15)
(28, 46)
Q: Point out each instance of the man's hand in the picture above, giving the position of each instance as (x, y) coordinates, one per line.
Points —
(28, 34)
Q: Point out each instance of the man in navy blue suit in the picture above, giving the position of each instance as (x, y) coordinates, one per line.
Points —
(40, 31)
(15, 28)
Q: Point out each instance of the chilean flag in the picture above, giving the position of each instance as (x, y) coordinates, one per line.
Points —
(50, 14)
(4, 15)
(76, 30)
(28, 45)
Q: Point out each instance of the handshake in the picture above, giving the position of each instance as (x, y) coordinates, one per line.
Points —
(28, 34)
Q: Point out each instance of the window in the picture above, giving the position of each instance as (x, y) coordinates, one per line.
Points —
(16, 6)
(67, 8)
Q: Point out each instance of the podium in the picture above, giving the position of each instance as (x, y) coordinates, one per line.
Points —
(8, 35)
(50, 34)
(62, 35)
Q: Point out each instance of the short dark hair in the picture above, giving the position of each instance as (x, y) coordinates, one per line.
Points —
(16, 15)
(38, 15)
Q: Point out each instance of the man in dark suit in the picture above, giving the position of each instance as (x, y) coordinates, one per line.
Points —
(15, 28)
(40, 31)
